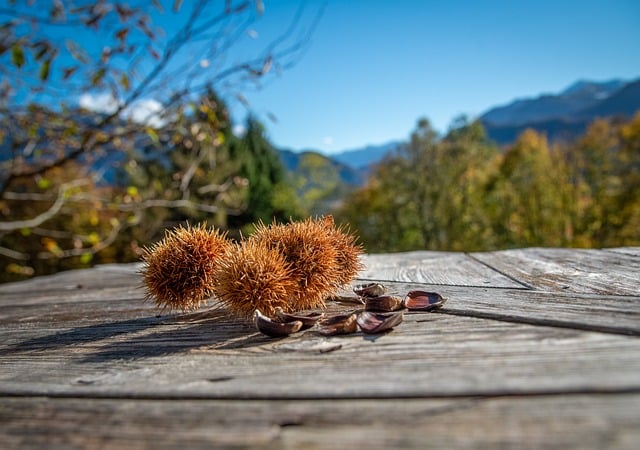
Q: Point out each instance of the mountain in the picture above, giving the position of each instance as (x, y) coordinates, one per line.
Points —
(362, 158)
(565, 115)
(624, 102)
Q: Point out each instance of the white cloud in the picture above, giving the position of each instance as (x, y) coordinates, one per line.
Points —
(327, 140)
(147, 111)
(239, 130)
(103, 103)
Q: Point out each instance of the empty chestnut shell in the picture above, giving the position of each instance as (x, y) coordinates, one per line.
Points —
(372, 323)
(272, 328)
(423, 300)
(339, 324)
(383, 303)
(308, 320)
(370, 290)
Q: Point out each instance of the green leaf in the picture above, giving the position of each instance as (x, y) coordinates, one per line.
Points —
(152, 134)
(98, 75)
(44, 70)
(124, 81)
(93, 238)
(44, 183)
(17, 56)
(86, 258)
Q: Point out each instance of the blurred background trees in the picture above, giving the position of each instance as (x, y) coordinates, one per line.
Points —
(460, 192)
(105, 145)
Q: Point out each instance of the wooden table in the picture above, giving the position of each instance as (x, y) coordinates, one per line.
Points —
(536, 348)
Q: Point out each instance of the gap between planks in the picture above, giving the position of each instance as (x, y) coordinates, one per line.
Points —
(540, 393)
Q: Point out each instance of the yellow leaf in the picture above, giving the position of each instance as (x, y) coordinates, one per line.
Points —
(93, 218)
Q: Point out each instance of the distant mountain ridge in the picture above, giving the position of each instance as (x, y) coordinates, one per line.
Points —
(565, 115)
(562, 116)
(362, 158)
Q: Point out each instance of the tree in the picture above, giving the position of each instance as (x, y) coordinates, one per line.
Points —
(94, 82)
(527, 195)
(426, 195)
(460, 193)
(605, 163)
(269, 196)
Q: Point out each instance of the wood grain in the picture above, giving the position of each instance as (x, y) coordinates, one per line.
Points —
(442, 268)
(570, 270)
(512, 422)
(604, 313)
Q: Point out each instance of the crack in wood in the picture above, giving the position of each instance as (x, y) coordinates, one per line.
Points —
(540, 322)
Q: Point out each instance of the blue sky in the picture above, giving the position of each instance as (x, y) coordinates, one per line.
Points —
(374, 67)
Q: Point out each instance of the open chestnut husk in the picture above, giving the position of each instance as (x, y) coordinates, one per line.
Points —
(423, 301)
(275, 329)
(372, 322)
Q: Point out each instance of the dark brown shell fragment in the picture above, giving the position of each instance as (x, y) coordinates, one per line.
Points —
(423, 300)
(338, 324)
(383, 303)
(370, 290)
(308, 320)
(372, 323)
(275, 329)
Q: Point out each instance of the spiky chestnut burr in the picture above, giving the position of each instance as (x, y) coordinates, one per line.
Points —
(308, 249)
(254, 276)
(348, 251)
(179, 270)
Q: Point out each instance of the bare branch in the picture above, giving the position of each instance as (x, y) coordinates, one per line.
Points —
(20, 256)
(48, 214)
(180, 203)
(111, 237)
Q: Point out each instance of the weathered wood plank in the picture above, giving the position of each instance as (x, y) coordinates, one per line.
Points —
(442, 268)
(605, 313)
(83, 348)
(78, 307)
(631, 251)
(428, 355)
(554, 422)
(80, 281)
(571, 270)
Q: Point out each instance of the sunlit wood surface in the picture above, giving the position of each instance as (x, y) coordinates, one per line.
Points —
(535, 348)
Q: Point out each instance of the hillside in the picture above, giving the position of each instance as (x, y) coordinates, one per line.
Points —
(320, 182)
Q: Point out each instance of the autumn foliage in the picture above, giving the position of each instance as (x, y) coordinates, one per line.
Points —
(461, 192)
